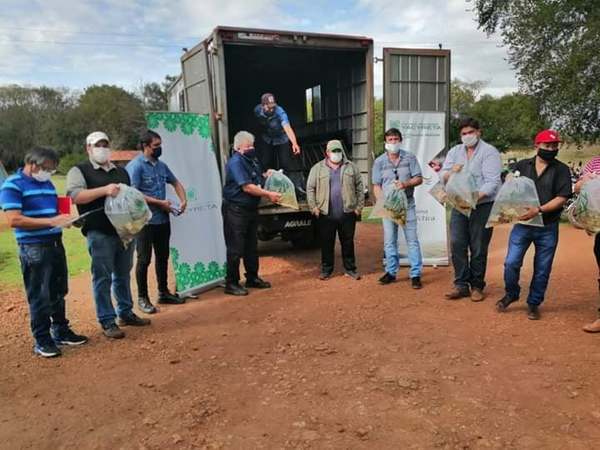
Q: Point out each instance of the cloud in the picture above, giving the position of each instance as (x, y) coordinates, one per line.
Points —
(124, 42)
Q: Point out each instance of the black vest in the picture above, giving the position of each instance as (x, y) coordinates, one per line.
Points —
(95, 178)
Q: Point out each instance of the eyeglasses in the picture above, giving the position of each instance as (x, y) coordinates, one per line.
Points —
(395, 173)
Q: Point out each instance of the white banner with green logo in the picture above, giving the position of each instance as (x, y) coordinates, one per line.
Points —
(424, 134)
(197, 242)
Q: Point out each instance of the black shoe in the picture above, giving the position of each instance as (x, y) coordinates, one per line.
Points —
(49, 350)
(146, 306)
(353, 274)
(67, 337)
(133, 321)
(503, 303)
(533, 312)
(235, 289)
(324, 276)
(257, 283)
(113, 331)
(415, 282)
(387, 279)
(170, 299)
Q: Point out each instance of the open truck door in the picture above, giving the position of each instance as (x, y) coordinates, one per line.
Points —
(416, 99)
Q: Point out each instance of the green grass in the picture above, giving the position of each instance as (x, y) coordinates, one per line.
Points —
(78, 258)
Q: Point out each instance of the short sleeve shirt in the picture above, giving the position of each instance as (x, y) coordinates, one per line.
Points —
(273, 132)
(555, 181)
(239, 171)
(151, 178)
(384, 172)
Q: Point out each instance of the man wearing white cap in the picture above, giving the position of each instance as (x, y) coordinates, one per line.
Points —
(88, 184)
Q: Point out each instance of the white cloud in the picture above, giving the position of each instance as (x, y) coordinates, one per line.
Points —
(168, 25)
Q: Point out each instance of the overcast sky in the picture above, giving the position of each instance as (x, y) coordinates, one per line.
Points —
(76, 43)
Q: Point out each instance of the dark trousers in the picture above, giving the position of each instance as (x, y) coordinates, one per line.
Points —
(44, 269)
(469, 242)
(153, 237)
(597, 254)
(545, 240)
(240, 228)
(280, 156)
(344, 228)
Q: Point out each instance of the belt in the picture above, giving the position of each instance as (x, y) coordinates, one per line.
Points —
(52, 243)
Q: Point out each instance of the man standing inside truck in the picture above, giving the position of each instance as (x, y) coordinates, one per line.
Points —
(277, 143)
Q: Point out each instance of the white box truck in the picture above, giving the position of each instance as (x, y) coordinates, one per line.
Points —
(323, 81)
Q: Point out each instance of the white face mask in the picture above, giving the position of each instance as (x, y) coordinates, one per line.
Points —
(470, 140)
(100, 154)
(336, 158)
(392, 148)
(42, 176)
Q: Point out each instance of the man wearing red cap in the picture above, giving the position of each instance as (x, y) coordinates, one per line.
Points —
(552, 180)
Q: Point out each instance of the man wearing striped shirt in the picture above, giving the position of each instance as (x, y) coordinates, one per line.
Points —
(592, 170)
(30, 203)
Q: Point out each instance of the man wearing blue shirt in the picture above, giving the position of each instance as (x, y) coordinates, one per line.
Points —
(469, 238)
(241, 195)
(399, 169)
(276, 138)
(150, 176)
(30, 203)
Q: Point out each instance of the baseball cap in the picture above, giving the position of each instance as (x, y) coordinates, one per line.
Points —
(95, 137)
(335, 145)
(267, 98)
(547, 136)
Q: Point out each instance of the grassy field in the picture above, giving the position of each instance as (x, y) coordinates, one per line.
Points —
(74, 242)
(567, 153)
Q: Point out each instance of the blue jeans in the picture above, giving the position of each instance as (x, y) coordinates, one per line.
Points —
(390, 243)
(469, 242)
(44, 269)
(545, 240)
(111, 267)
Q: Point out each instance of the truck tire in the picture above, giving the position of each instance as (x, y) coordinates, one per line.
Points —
(306, 239)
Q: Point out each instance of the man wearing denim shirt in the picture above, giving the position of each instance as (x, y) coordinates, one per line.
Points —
(469, 238)
(553, 186)
(397, 168)
(150, 176)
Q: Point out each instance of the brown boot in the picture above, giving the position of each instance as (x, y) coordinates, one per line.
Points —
(477, 295)
(457, 293)
(593, 327)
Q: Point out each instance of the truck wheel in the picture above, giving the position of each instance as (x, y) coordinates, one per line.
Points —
(305, 240)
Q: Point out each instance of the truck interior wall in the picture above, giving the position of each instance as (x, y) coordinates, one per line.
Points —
(288, 73)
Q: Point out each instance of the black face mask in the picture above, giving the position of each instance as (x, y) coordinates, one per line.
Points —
(156, 152)
(250, 153)
(547, 155)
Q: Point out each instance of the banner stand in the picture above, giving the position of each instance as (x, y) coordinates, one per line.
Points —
(197, 243)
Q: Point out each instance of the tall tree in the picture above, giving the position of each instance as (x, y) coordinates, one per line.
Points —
(554, 45)
(154, 95)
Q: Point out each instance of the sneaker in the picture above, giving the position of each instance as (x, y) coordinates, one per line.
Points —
(387, 279)
(68, 337)
(257, 283)
(477, 295)
(133, 321)
(49, 350)
(457, 293)
(593, 327)
(352, 274)
(146, 306)
(533, 312)
(235, 289)
(113, 331)
(415, 282)
(170, 299)
(324, 276)
(503, 303)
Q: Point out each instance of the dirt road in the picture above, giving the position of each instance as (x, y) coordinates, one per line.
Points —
(310, 364)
